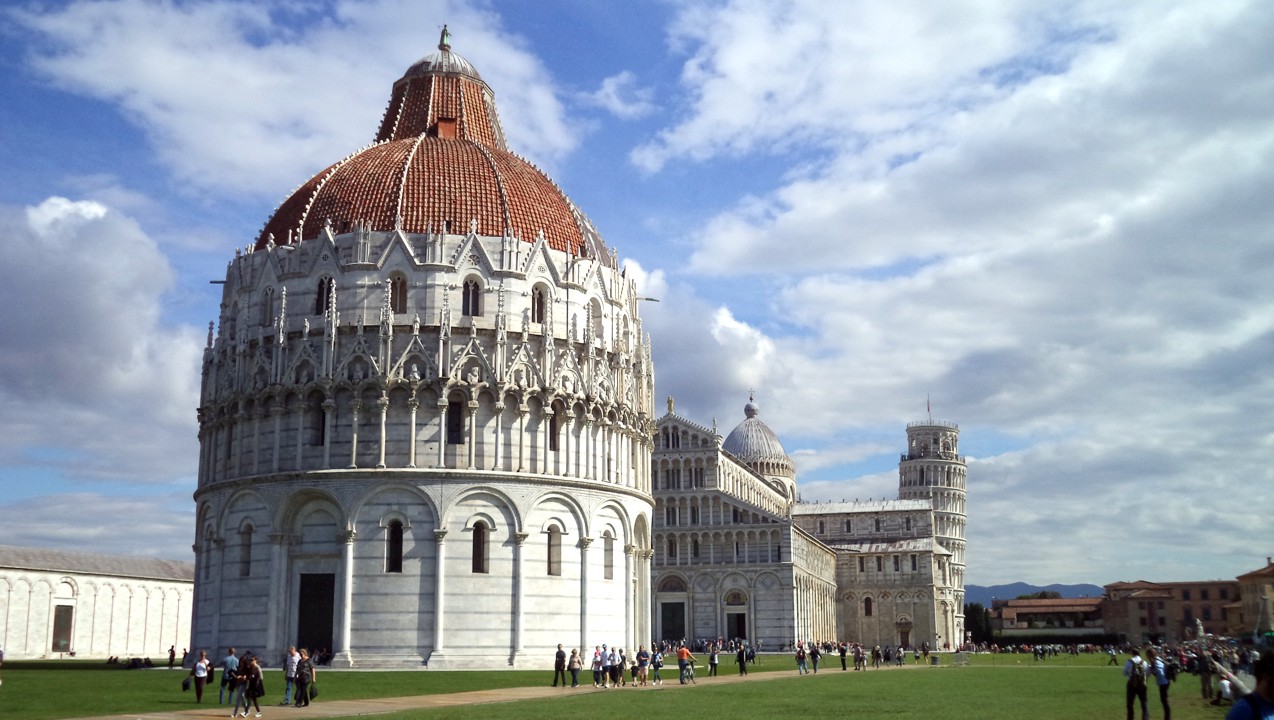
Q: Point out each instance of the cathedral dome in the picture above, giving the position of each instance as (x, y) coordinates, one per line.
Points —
(439, 164)
(755, 443)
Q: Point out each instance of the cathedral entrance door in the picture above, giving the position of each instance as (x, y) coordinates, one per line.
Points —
(315, 611)
(736, 625)
(904, 638)
(672, 620)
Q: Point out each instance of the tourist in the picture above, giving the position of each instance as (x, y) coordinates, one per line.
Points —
(1258, 704)
(172, 656)
(574, 665)
(815, 655)
(1135, 671)
(1160, 672)
(606, 654)
(306, 675)
(229, 669)
(251, 685)
(200, 674)
(559, 666)
(289, 673)
(713, 658)
(684, 658)
(801, 667)
(657, 664)
(742, 659)
(598, 668)
(643, 661)
(843, 650)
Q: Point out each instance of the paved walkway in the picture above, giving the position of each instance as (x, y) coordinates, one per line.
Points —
(380, 706)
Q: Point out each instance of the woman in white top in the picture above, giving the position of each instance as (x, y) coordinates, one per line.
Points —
(200, 671)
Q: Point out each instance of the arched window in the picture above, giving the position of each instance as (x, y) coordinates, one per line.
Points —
(267, 306)
(481, 560)
(394, 547)
(822, 527)
(324, 296)
(455, 422)
(672, 549)
(866, 607)
(471, 304)
(554, 428)
(537, 305)
(398, 294)
(849, 526)
(555, 550)
(694, 548)
(245, 550)
(608, 555)
(907, 523)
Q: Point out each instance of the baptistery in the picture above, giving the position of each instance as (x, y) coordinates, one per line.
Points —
(425, 418)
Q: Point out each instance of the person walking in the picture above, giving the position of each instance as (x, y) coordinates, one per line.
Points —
(1135, 672)
(643, 662)
(714, 657)
(559, 666)
(574, 665)
(843, 650)
(597, 667)
(657, 664)
(229, 671)
(742, 659)
(306, 675)
(251, 685)
(200, 673)
(289, 673)
(1160, 672)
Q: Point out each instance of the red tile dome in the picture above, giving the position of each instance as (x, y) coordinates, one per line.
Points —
(439, 161)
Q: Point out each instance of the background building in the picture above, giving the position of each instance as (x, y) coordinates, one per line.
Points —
(425, 420)
(738, 556)
(1166, 612)
(57, 603)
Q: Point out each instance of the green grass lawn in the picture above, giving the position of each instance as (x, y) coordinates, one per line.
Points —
(991, 687)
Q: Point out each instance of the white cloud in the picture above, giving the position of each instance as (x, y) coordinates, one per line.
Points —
(160, 526)
(90, 380)
(237, 98)
(619, 96)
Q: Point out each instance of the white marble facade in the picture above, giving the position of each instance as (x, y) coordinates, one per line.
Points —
(61, 604)
(428, 444)
(737, 556)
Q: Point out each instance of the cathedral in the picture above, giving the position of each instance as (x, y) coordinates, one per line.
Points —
(427, 438)
(737, 555)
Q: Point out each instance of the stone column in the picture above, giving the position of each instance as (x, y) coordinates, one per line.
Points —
(279, 600)
(584, 542)
(522, 410)
(440, 583)
(277, 411)
(329, 427)
(630, 588)
(497, 453)
(345, 602)
(442, 432)
(519, 583)
(383, 404)
(472, 424)
(412, 405)
(354, 407)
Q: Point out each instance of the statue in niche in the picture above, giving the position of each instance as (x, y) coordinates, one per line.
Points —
(474, 375)
(356, 373)
(415, 325)
(414, 376)
(568, 385)
(518, 378)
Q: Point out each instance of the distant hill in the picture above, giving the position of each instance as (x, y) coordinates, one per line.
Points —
(985, 593)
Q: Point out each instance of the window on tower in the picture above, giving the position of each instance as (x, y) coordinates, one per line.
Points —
(323, 298)
(398, 294)
(394, 547)
(481, 560)
(555, 550)
(537, 305)
(471, 301)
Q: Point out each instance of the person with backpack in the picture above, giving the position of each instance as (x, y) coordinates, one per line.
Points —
(1135, 671)
(1159, 671)
(801, 667)
(1258, 704)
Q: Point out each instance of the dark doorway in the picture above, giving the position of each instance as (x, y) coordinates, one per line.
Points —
(314, 615)
(736, 625)
(672, 620)
(62, 616)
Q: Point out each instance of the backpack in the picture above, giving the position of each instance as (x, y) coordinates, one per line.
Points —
(1137, 679)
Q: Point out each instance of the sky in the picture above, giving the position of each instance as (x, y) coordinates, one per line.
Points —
(1049, 222)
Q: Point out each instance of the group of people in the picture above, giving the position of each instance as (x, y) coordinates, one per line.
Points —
(1158, 668)
(243, 684)
(613, 667)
